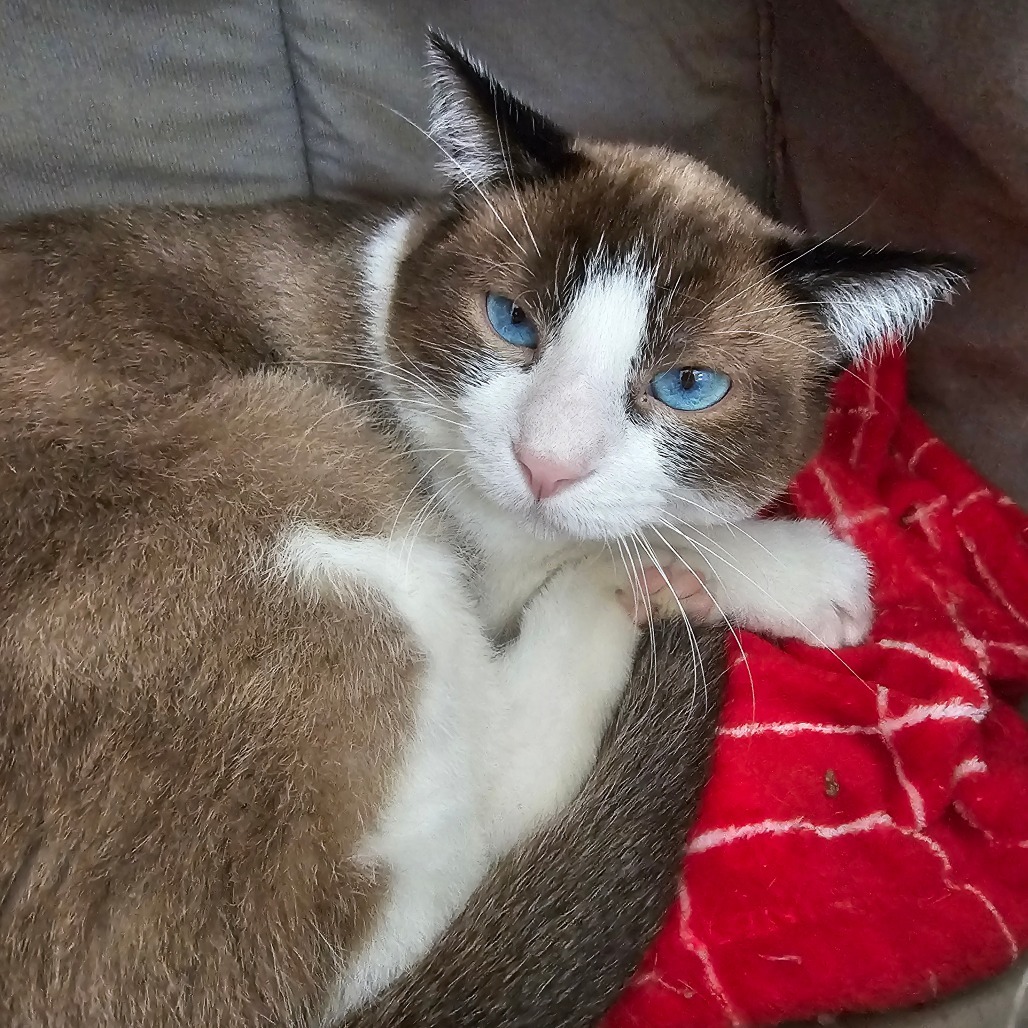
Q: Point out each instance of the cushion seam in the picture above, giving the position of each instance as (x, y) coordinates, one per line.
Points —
(294, 80)
(766, 63)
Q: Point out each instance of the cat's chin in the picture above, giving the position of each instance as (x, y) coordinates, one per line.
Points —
(538, 524)
(555, 527)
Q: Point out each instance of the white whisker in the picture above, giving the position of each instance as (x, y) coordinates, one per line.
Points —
(708, 552)
(724, 616)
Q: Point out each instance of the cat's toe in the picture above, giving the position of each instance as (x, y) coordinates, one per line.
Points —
(843, 611)
(669, 592)
(842, 626)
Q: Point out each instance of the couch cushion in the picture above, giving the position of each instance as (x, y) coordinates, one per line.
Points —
(116, 101)
(185, 101)
(687, 74)
(126, 102)
(875, 155)
(967, 62)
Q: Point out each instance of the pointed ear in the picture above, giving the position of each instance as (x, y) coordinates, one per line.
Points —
(485, 133)
(864, 296)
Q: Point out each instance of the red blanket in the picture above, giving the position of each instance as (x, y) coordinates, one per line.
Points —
(864, 839)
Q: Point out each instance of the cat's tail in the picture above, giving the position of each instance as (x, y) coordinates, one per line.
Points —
(553, 935)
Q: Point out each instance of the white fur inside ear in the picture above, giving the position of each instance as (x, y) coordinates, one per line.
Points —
(864, 313)
(470, 150)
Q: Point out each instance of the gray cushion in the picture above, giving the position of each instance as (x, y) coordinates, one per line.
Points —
(119, 101)
(685, 74)
(122, 101)
(871, 159)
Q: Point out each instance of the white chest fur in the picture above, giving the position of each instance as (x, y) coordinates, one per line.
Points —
(501, 741)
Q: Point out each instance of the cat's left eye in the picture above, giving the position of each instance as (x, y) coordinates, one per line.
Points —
(690, 389)
(510, 321)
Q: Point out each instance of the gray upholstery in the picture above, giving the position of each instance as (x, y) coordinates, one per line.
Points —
(118, 101)
(910, 120)
(945, 166)
(126, 101)
(356, 59)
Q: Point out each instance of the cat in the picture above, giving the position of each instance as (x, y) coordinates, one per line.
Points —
(350, 559)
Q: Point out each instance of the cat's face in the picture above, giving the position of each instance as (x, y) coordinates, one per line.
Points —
(604, 338)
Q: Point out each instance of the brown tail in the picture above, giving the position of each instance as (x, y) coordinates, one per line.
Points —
(553, 935)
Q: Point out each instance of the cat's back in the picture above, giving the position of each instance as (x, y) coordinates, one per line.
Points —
(159, 438)
(174, 295)
(146, 352)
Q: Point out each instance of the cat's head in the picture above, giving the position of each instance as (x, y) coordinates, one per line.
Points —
(600, 337)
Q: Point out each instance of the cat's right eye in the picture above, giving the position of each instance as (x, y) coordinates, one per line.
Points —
(690, 389)
(510, 321)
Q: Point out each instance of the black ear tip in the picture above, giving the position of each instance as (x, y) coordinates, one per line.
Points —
(816, 257)
(443, 49)
(959, 264)
(438, 43)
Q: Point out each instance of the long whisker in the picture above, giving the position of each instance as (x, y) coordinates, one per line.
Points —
(632, 581)
(705, 550)
(382, 368)
(414, 489)
(649, 613)
(733, 527)
(760, 334)
(727, 620)
(437, 499)
(821, 242)
(505, 154)
(685, 617)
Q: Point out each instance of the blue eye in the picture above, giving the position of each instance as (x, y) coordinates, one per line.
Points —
(690, 388)
(510, 321)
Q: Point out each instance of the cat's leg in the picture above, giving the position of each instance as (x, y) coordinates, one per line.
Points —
(558, 685)
(786, 578)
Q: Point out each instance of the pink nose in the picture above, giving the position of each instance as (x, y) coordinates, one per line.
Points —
(544, 476)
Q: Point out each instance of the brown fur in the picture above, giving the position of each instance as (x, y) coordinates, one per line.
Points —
(178, 806)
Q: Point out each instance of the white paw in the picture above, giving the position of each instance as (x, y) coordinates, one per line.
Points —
(791, 579)
(822, 589)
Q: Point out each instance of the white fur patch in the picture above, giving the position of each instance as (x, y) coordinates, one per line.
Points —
(431, 838)
(575, 406)
(561, 681)
(500, 742)
(382, 255)
(861, 314)
(606, 322)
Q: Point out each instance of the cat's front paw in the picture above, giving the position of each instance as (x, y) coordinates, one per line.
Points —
(823, 590)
